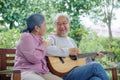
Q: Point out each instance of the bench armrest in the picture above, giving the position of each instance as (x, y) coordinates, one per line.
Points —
(114, 72)
(16, 73)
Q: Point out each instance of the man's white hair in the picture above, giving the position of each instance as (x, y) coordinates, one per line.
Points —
(60, 14)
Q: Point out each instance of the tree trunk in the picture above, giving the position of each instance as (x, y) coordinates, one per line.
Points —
(109, 29)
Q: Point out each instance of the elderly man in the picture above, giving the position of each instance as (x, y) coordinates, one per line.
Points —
(63, 46)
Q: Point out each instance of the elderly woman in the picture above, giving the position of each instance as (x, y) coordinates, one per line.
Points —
(63, 46)
(31, 51)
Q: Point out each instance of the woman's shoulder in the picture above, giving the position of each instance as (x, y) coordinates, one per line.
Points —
(26, 35)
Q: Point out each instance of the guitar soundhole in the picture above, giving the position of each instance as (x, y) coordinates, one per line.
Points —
(73, 57)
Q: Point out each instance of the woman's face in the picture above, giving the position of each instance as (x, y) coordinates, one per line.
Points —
(62, 26)
(41, 30)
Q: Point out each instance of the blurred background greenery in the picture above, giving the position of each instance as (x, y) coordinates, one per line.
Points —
(13, 14)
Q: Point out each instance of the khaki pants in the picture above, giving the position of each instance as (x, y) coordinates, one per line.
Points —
(29, 75)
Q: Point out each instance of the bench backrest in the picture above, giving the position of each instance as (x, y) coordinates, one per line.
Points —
(6, 61)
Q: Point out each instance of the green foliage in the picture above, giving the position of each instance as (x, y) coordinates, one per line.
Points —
(91, 43)
(14, 11)
(77, 33)
(75, 8)
(115, 47)
(9, 38)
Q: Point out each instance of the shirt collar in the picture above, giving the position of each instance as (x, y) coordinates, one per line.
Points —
(39, 39)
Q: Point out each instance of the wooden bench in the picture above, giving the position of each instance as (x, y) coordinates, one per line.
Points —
(7, 62)
(6, 65)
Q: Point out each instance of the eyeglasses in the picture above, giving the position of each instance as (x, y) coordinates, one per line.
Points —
(59, 24)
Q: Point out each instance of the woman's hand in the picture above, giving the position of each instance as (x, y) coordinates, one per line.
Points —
(44, 43)
(47, 43)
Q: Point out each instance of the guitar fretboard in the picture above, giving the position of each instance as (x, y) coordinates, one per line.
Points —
(83, 55)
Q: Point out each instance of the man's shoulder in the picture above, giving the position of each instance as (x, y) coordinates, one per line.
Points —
(70, 38)
(52, 35)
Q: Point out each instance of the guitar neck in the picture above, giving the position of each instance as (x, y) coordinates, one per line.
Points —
(86, 55)
(90, 54)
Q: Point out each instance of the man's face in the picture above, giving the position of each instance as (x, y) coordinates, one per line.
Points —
(62, 26)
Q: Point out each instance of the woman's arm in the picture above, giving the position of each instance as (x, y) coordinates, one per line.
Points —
(31, 51)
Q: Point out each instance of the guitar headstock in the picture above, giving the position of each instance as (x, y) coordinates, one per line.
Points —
(110, 54)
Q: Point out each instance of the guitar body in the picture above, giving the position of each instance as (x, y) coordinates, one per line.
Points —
(60, 68)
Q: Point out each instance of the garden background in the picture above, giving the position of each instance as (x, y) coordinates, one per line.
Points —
(13, 14)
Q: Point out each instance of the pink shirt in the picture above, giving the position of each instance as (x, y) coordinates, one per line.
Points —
(30, 54)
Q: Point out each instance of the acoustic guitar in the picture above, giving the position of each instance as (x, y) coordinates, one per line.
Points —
(62, 65)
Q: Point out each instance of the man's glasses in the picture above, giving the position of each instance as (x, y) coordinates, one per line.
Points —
(60, 24)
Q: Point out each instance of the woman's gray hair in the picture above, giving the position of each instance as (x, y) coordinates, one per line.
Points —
(60, 14)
